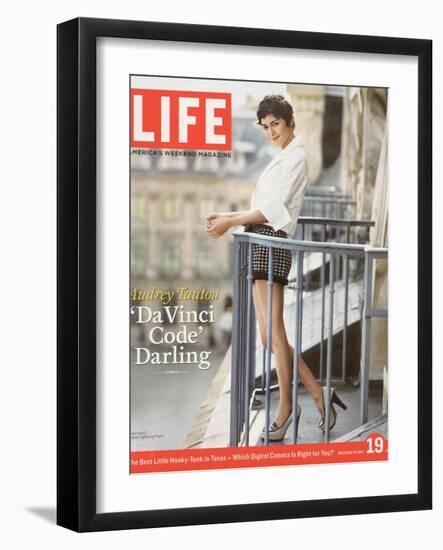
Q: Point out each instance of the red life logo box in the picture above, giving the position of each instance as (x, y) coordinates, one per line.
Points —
(176, 119)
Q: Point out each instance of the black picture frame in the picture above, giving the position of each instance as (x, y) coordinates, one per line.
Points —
(76, 273)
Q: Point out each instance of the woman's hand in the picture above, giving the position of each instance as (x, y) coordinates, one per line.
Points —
(212, 216)
(218, 227)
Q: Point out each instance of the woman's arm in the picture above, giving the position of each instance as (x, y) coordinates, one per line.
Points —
(248, 217)
(220, 225)
(213, 215)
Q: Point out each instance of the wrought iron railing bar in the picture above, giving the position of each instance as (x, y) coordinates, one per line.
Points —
(301, 305)
(367, 325)
(345, 309)
(264, 369)
(322, 328)
(311, 246)
(297, 343)
(337, 263)
(330, 195)
(248, 344)
(251, 343)
(241, 336)
(368, 312)
(308, 220)
(268, 347)
(306, 246)
(326, 401)
(327, 200)
(302, 282)
(241, 341)
(379, 313)
(379, 253)
(233, 432)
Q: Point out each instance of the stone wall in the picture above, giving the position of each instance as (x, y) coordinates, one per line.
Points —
(309, 106)
(364, 119)
(365, 177)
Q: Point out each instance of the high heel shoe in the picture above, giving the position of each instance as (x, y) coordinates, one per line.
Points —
(333, 400)
(277, 433)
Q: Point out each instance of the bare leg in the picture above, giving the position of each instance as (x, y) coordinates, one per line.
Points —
(259, 315)
(284, 372)
(308, 380)
(284, 352)
(279, 345)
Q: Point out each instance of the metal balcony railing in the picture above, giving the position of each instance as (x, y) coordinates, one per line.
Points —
(244, 324)
(328, 207)
(332, 230)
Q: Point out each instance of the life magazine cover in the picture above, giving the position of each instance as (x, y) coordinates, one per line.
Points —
(259, 274)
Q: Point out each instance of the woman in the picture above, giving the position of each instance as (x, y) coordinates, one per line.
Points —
(275, 207)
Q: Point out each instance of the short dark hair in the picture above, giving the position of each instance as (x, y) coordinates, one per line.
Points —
(278, 106)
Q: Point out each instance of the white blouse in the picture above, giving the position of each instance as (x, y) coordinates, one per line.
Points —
(281, 187)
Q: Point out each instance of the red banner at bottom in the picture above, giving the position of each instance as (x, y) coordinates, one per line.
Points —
(374, 448)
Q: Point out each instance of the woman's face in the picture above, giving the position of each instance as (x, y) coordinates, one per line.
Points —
(276, 130)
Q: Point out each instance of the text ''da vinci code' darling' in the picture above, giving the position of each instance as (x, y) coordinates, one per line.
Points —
(177, 339)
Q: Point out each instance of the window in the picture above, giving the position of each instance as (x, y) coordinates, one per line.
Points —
(171, 208)
(171, 260)
(138, 255)
(205, 259)
(138, 208)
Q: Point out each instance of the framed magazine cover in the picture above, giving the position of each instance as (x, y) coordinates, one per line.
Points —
(221, 188)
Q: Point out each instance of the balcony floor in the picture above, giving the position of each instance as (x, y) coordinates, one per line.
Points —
(308, 432)
(211, 428)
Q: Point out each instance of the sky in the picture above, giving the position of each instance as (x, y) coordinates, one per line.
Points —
(239, 89)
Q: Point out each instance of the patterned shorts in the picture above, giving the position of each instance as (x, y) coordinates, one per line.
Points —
(281, 258)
